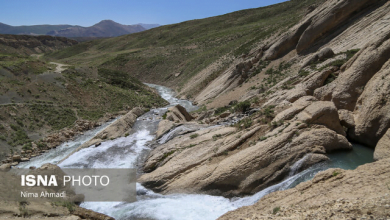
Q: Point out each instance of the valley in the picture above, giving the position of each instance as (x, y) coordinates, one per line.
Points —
(280, 112)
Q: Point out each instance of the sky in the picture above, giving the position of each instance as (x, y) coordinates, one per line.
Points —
(89, 12)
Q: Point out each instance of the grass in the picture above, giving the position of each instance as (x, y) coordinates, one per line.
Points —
(67, 204)
(276, 210)
(188, 47)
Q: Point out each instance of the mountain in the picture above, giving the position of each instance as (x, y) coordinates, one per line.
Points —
(149, 26)
(304, 78)
(105, 28)
(30, 30)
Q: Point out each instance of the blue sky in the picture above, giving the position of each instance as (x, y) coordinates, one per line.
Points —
(89, 12)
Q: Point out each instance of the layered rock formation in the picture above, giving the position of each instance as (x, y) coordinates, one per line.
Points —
(340, 94)
(332, 194)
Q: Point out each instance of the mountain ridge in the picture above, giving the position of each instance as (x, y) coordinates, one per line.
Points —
(102, 29)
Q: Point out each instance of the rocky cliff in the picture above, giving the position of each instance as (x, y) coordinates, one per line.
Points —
(322, 84)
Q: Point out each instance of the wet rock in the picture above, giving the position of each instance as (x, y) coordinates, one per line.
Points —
(163, 127)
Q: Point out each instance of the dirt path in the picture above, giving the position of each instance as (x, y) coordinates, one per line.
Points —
(60, 67)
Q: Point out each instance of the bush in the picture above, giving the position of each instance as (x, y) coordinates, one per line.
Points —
(194, 136)
(242, 106)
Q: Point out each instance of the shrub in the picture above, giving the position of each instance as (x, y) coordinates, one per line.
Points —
(194, 136)
(242, 106)
(275, 210)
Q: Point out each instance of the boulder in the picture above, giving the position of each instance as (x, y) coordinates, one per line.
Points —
(178, 113)
(319, 56)
(224, 115)
(322, 113)
(382, 149)
(350, 84)
(16, 158)
(372, 111)
(163, 127)
(346, 118)
(295, 108)
(5, 167)
(287, 42)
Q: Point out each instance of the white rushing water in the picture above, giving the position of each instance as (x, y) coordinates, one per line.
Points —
(125, 152)
(57, 154)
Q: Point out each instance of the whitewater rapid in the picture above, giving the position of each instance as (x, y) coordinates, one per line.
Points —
(126, 152)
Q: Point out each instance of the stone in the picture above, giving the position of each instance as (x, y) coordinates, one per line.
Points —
(346, 118)
(322, 113)
(5, 167)
(16, 158)
(382, 149)
(327, 17)
(163, 127)
(372, 111)
(178, 112)
(327, 195)
(224, 115)
(350, 84)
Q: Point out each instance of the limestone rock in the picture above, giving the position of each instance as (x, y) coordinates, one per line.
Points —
(163, 127)
(382, 149)
(16, 158)
(346, 118)
(346, 89)
(331, 14)
(287, 42)
(319, 56)
(178, 113)
(178, 165)
(372, 111)
(332, 194)
(24, 159)
(323, 113)
(296, 107)
(305, 88)
(5, 167)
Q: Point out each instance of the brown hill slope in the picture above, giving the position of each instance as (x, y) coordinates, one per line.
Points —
(105, 28)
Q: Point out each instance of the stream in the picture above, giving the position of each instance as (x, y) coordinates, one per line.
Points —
(127, 152)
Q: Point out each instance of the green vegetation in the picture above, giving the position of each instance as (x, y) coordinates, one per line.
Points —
(276, 210)
(335, 173)
(244, 123)
(194, 136)
(216, 136)
(188, 47)
(19, 137)
(242, 106)
(67, 204)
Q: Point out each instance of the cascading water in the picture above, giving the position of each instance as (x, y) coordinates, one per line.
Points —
(125, 152)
